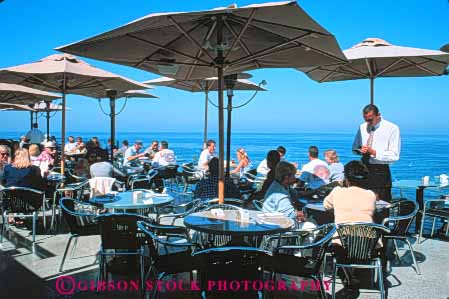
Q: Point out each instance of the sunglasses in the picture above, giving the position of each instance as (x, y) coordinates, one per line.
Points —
(4, 154)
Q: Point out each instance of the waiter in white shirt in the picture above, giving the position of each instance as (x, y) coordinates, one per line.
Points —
(379, 143)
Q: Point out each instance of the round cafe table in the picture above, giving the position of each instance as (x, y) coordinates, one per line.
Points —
(124, 202)
(230, 224)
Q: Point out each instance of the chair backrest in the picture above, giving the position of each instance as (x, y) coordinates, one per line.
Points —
(156, 238)
(401, 214)
(77, 214)
(168, 172)
(119, 231)
(100, 185)
(22, 199)
(359, 240)
(311, 244)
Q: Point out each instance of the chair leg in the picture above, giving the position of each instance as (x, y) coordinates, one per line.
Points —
(433, 226)
(53, 212)
(322, 288)
(423, 218)
(43, 213)
(4, 221)
(334, 276)
(34, 225)
(72, 254)
(100, 272)
(381, 279)
(396, 249)
(413, 257)
(65, 252)
(141, 265)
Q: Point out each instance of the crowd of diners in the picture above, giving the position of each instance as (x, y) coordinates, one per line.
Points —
(345, 188)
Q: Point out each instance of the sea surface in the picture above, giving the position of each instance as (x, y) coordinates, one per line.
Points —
(421, 154)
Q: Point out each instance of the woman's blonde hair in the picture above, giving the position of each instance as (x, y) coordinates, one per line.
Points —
(332, 155)
(21, 159)
(34, 150)
(242, 152)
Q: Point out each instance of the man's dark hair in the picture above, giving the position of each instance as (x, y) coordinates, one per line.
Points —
(154, 141)
(356, 173)
(71, 137)
(313, 151)
(125, 143)
(213, 166)
(281, 150)
(210, 141)
(369, 108)
(164, 144)
(35, 125)
(273, 158)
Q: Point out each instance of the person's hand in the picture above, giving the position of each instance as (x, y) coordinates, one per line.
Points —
(364, 149)
(300, 217)
(368, 150)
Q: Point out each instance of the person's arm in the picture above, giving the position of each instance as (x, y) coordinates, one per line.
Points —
(239, 166)
(357, 143)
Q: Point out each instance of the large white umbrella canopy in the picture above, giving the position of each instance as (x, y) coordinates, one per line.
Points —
(15, 107)
(216, 42)
(19, 94)
(67, 74)
(374, 58)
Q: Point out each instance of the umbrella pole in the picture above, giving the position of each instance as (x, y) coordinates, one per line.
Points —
(205, 117)
(112, 104)
(31, 120)
(63, 126)
(371, 80)
(48, 119)
(228, 133)
(219, 61)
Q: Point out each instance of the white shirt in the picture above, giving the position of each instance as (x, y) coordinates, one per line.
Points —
(164, 157)
(204, 158)
(35, 136)
(69, 147)
(131, 151)
(386, 142)
(263, 168)
(310, 167)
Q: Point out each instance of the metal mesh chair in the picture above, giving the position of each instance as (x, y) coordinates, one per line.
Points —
(167, 257)
(435, 208)
(301, 253)
(401, 213)
(231, 263)
(142, 180)
(22, 200)
(119, 236)
(359, 241)
(190, 176)
(80, 217)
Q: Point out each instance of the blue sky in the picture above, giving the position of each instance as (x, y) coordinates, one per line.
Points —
(29, 30)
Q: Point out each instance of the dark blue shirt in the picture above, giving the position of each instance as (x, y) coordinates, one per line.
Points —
(29, 177)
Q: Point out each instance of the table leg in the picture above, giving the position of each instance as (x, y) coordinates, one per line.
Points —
(420, 201)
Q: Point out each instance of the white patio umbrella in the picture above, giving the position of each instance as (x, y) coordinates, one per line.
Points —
(15, 107)
(374, 58)
(216, 42)
(206, 85)
(68, 75)
(19, 94)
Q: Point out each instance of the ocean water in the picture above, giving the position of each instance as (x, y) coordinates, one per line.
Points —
(421, 154)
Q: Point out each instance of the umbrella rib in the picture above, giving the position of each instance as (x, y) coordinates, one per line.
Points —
(161, 47)
(239, 18)
(200, 51)
(242, 43)
(329, 74)
(242, 31)
(178, 62)
(368, 65)
(189, 37)
(167, 44)
(263, 52)
(419, 65)
(389, 67)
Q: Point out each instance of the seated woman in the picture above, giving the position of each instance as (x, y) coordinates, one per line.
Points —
(5, 159)
(244, 162)
(351, 203)
(336, 168)
(21, 173)
(280, 195)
